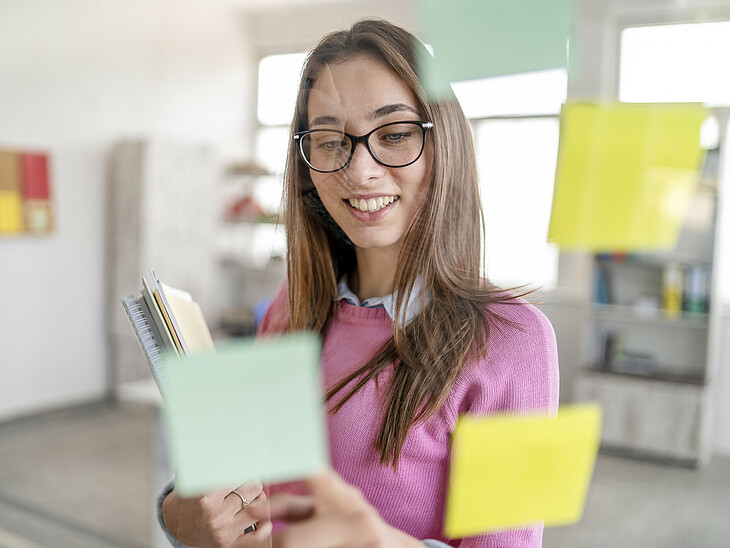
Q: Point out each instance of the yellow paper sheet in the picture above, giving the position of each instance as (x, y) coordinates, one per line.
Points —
(190, 320)
(625, 175)
(11, 212)
(511, 471)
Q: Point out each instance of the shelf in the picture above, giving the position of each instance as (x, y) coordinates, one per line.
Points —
(234, 260)
(247, 169)
(631, 314)
(652, 259)
(676, 379)
(273, 220)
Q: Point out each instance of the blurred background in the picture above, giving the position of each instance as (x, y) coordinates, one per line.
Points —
(165, 125)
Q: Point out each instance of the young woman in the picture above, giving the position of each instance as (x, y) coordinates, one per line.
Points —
(384, 234)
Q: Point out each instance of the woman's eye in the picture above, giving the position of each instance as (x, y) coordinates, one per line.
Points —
(396, 137)
(331, 145)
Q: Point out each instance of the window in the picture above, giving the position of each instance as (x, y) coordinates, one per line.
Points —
(516, 129)
(278, 86)
(517, 159)
(277, 92)
(541, 92)
(676, 63)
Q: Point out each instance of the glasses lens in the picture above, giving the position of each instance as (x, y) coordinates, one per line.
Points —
(397, 144)
(326, 150)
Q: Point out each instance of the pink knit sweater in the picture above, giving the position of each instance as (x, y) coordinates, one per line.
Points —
(519, 373)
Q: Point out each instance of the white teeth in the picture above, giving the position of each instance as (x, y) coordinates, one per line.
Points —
(373, 204)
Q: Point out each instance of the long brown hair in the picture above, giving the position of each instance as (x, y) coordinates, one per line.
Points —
(442, 248)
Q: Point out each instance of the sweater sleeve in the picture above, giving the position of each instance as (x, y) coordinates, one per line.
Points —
(160, 499)
(519, 374)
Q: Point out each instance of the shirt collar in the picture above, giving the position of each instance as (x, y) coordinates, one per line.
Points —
(413, 306)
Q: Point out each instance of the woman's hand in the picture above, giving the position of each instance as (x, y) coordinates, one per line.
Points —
(217, 520)
(334, 515)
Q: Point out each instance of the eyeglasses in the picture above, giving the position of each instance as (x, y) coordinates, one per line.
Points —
(397, 144)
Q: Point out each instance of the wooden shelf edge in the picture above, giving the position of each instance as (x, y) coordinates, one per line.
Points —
(627, 313)
(674, 379)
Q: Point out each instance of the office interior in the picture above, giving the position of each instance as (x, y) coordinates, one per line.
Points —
(165, 150)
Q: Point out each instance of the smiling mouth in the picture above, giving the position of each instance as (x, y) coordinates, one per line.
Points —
(371, 205)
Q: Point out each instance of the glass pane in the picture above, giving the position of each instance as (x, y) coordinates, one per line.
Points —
(278, 86)
(517, 161)
(676, 63)
(541, 92)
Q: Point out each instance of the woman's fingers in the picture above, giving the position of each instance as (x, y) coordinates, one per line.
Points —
(285, 507)
(225, 514)
(251, 489)
(328, 487)
(329, 531)
(335, 515)
(260, 538)
(255, 512)
(333, 494)
(245, 494)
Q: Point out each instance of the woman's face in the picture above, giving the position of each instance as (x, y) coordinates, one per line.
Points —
(374, 204)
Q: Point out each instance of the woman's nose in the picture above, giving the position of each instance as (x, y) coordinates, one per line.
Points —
(363, 165)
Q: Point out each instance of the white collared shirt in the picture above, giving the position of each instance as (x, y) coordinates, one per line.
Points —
(413, 305)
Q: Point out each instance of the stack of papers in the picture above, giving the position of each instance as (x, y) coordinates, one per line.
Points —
(167, 322)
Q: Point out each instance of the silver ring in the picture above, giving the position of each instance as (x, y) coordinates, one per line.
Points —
(244, 502)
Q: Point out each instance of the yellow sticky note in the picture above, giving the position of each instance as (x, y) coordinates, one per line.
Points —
(625, 175)
(11, 212)
(511, 471)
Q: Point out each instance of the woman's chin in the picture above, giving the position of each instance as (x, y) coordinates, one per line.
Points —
(371, 241)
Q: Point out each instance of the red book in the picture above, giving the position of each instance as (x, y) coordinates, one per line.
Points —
(34, 173)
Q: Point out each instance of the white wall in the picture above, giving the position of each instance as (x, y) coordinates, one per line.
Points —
(75, 76)
(300, 27)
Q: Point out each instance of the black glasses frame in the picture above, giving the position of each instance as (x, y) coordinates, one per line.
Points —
(299, 136)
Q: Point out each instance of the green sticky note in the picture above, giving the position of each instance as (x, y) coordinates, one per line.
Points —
(512, 471)
(482, 38)
(625, 175)
(254, 409)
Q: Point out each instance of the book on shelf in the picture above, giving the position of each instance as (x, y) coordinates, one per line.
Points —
(167, 322)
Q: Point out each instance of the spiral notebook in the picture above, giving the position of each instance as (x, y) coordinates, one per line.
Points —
(167, 322)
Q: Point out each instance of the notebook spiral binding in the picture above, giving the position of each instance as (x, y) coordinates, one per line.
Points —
(147, 336)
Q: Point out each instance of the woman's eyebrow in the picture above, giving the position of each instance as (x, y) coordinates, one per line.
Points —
(327, 121)
(374, 115)
(390, 109)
